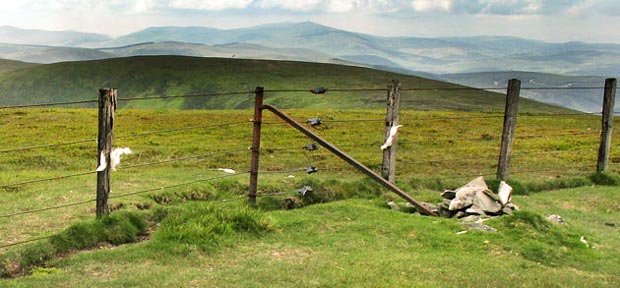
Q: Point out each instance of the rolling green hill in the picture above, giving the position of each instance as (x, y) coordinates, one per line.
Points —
(10, 65)
(174, 75)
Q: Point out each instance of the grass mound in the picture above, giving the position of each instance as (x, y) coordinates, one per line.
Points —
(115, 229)
(547, 243)
(207, 226)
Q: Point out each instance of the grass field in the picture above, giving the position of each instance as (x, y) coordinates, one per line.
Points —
(353, 242)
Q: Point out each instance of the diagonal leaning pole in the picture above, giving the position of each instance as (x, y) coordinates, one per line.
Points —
(350, 160)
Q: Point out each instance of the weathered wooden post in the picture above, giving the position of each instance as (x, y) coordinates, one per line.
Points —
(107, 106)
(510, 122)
(609, 97)
(388, 170)
(258, 118)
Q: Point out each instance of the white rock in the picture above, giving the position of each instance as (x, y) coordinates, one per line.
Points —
(505, 193)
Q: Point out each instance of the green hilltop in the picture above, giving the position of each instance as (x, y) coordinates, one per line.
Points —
(176, 75)
(10, 65)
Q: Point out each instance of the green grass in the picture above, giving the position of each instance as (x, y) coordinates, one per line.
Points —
(175, 75)
(359, 242)
(10, 65)
(333, 244)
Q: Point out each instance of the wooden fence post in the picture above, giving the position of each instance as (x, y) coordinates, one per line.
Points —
(388, 169)
(607, 118)
(258, 118)
(107, 106)
(510, 122)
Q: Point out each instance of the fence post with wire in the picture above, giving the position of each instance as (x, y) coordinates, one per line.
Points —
(257, 121)
(609, 98)
(388, 167)
(508, 134)
(107, 106)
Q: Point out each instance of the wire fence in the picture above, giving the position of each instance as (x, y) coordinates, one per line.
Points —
(438, 144)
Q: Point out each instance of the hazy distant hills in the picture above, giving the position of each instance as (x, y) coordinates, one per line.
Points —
(316, 43)
(10, 65)
(49, 54)
(229, 50)
(587, 99)
(14, 35)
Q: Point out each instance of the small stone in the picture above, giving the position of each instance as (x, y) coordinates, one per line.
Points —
(512, 206)
(507, 211)
(556, 219)
(290, 203)
(429, 206)
(478, 182)
(393, 205)
(464, 198)
(487, 203)
(585, 241)
(304, 190)
(474, 210)
(460, 214)
(505, 193)
(479, 227)
(470, 218)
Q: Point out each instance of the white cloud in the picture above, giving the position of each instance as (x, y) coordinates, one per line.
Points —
(211, 5)
(294, 5)
(431, 5)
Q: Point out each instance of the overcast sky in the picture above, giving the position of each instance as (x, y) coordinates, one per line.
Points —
(549, 20)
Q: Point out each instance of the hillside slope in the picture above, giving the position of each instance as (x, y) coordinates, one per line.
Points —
(569, 95)
(173, 75)
(10, 65)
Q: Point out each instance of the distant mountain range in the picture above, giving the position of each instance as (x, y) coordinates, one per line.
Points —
(309, 41)
(583, 96)
(436, 58)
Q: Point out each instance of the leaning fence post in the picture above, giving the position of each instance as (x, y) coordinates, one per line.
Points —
(510, 122)
(606, 123)
(107, 105)
(258, 118)
(388, 169)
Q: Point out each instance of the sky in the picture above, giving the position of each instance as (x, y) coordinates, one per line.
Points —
(547, 20)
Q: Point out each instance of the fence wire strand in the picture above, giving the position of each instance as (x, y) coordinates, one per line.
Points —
(42, 146)
(118, 196)
(48, 179)
(180, 129)
(48, 104)
(186, 95)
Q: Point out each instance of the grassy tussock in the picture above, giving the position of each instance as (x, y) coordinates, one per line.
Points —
(207, 226)
(115, 229)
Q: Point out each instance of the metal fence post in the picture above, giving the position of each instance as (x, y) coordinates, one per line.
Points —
(388, 170)
(606, 123)
(510, 122)
(258, 118)
(107, 106)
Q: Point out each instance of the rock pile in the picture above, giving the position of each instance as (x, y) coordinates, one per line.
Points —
(476, 200)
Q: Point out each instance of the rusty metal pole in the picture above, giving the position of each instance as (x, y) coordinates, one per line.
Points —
(258, 118)
(423, 209)
(606, 125)
(508, 134)
(107, 106)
